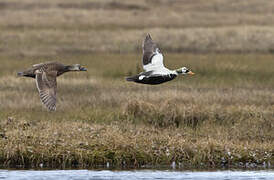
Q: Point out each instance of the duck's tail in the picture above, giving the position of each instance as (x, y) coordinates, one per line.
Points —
(25, 74)
(132, 78)
(20, 74)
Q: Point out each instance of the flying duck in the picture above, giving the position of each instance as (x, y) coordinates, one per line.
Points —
(45, 75)
(154, 70)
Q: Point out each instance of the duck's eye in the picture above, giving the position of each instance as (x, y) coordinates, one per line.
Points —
(187, 70)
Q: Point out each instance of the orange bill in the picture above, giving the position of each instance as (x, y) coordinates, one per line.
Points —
(191, 73)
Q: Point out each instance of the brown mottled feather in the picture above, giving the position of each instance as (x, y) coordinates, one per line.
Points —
(45, 75)
(47, 85)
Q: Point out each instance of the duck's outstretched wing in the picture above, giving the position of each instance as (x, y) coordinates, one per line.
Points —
(152, 57)
(47, 85)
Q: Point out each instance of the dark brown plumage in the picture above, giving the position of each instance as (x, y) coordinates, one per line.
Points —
(45, 75)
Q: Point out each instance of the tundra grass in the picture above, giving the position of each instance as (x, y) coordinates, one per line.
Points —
(221, 117)
(50, 28)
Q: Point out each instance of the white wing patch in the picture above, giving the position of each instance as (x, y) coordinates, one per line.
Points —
(141, 77)
(156, 63)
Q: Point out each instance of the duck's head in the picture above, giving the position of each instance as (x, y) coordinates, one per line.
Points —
(184, 71)
(76, 67)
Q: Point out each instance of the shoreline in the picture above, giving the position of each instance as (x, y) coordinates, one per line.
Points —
(103, 149)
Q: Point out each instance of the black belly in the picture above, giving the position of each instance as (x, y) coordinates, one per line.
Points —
(153, 80)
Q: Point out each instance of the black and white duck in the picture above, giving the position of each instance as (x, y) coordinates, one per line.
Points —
(154, 70)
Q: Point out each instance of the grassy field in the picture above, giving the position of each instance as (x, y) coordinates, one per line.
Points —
(222, 116)
(58, 27)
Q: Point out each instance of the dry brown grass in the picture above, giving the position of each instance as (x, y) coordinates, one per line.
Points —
(58, 27)
(223, 116)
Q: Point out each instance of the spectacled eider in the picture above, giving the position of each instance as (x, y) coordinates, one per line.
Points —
(45, 75)
(154, 70)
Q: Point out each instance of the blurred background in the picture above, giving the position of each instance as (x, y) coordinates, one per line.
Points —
(56, 27)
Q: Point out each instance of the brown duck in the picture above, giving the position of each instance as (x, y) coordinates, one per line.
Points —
(45, 75)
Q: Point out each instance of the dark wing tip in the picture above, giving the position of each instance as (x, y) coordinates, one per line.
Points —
(148, 37)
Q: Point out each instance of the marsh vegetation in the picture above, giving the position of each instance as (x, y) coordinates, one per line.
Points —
(222, 116)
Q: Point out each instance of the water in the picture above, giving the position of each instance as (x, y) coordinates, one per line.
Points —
(132, 175)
